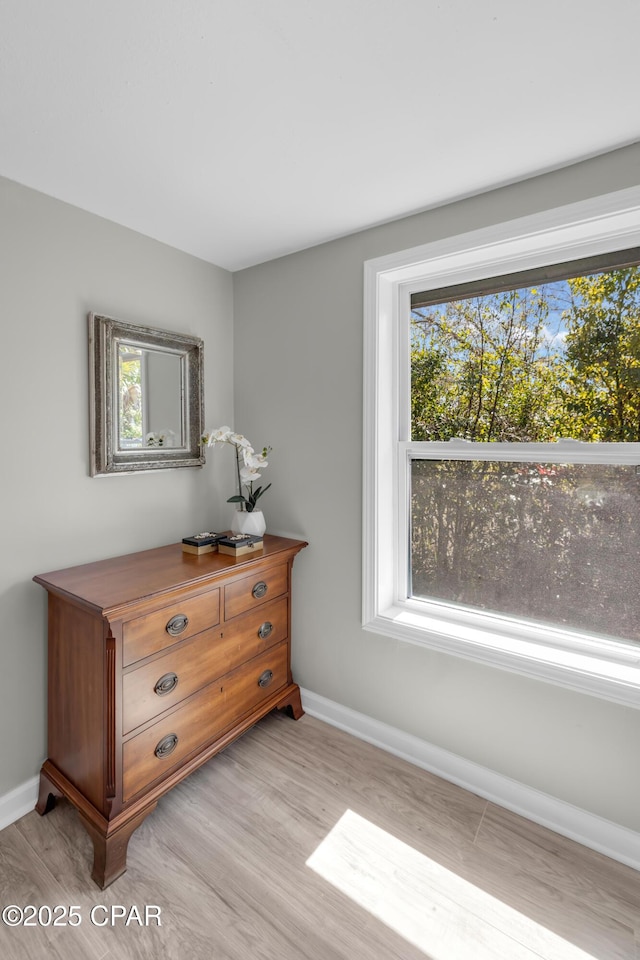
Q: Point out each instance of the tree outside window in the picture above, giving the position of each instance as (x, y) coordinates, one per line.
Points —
(547, 541)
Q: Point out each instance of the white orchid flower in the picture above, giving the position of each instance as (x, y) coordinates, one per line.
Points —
(248, 465)
(249, 474)
(254, 460)
(221, 435)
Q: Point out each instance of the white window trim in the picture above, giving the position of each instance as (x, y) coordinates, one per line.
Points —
(600, 667)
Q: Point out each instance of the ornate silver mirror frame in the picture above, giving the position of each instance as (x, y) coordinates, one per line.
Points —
(146, 398)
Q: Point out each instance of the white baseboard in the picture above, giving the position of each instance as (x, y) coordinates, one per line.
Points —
(19, 801)
(586, 828)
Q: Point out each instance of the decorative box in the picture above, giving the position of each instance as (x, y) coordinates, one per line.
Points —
(239, 544)
(202, 543)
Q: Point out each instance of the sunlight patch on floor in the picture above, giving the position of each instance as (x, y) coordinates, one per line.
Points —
(432, 908)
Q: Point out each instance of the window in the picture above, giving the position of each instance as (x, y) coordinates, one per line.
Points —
(501, 490)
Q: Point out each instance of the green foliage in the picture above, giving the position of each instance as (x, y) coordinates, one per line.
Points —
(130, 394)
(547, 541)
(536, 364)
(603, 356)
(251, 500)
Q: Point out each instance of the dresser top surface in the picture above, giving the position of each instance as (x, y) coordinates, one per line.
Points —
(117, 581)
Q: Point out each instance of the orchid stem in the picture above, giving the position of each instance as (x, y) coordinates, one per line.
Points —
(238, 472)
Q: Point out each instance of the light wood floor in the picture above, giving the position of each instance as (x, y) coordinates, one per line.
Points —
(302, 843)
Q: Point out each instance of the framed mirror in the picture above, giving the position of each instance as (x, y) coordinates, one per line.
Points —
(146, 398)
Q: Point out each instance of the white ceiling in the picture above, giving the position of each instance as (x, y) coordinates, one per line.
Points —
(241, 130)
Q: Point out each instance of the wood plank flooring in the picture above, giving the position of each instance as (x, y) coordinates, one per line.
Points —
(300, 842)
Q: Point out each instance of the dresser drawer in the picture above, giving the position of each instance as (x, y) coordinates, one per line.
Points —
(243, 595)
(160, 629)
(247, 635)
(151, 689)
(155, 752)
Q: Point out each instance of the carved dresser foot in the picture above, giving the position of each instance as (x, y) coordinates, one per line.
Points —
(110, 851)
(292, 704)
(47, 795)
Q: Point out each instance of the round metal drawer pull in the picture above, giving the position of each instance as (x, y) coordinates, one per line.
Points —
(265, 678)
(177, 625)
(265, 630)
(166, 684)
(166, 746)
(259, 590)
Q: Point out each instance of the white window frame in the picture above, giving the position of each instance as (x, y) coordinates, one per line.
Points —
(583, 662)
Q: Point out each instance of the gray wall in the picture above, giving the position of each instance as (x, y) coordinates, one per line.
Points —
(298, 341)
(57, 263)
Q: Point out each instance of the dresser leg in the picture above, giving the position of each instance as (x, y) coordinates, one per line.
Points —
(48, 793)
(292, 704)
(110, 852)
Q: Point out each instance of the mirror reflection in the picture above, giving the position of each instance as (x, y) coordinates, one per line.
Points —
(150, 387)
(146, 398)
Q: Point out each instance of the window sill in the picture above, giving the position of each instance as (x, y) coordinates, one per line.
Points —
(514, 646)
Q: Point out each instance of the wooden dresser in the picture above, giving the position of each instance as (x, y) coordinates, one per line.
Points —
(158, 660)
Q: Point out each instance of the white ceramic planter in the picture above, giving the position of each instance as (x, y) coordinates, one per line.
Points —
(253, 523)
